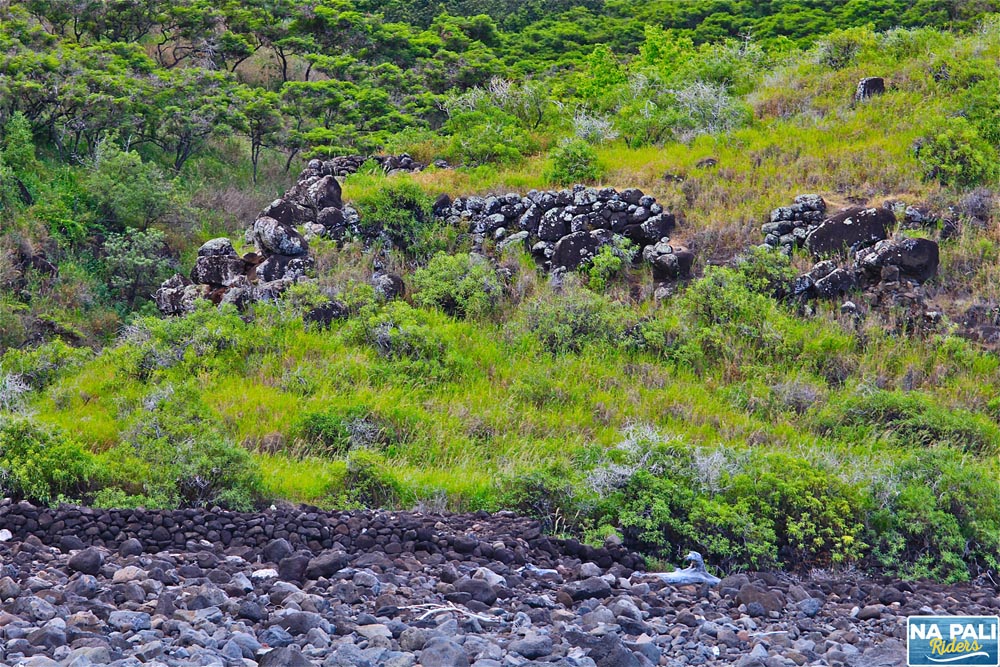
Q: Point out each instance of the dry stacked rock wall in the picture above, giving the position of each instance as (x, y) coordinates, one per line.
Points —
(565, 228)
(349, 164)
(502, 537)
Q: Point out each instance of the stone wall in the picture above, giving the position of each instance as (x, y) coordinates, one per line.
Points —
(565, 228)
(502, 537)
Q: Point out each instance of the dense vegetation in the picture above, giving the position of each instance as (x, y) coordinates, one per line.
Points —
(723, 419)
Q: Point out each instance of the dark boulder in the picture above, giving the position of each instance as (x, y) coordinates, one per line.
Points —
(324, 315)
(88, 561)
(837, 282)
(851, 228)
(388, 285)
(286, 656)
(594, 587)
(217, 247)
(324, 193)
(552, 227)
(218, 269)
(331, 218)
(326, 564)
(574, 249)
(441, 204)
(917, 259)
(869, 87)
(283, 267)
(768, 599)
(287, 212)
(273, 237)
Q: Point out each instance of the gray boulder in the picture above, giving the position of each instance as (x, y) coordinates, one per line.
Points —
(273, 237)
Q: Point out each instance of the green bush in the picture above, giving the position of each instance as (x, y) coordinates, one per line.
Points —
(42, 365)
(569, 320)
(41, 464)
(755, 511)
(955, 155)
(547, 494)
(137, 263)
(126, 191)
(573, 161)
(368, 482)
(461, 285)
(407, 339)
(340, 429)
(610, 262)
(908, 419)
(174, 450)
(115, 498)
(486, 136)
(937, 517)
(399, 211)
(841, 48)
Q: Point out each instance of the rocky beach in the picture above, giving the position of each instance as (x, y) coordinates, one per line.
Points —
(84, 587)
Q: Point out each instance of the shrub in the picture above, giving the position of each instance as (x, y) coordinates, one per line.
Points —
(839, 49)
(42, 365)
(461, 285)
(137, 263)
(399, 211)
(172, 449)
(407, 338)
(609, 263)
(127, 191)
(40, 464)
(19, 146)
(115, 498)
(766, 272)
(937, 518)
(570, 320)
(593, 128)
(954, 154)
(345, 428)
(707, 108)
(546, 494)
(368, 483)
(487, 136)
(909, 420)
(743, 511)
(573, 161)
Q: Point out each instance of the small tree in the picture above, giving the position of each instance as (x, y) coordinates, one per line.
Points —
(137, 262)
(261, 122)
(128, 192)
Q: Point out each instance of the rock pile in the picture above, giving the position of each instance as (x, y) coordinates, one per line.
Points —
(390, 164)
(805, 224)
(82, 605)
(503, 537)
(890, 274)
(565, 228)
(281, 254)
(790, 225)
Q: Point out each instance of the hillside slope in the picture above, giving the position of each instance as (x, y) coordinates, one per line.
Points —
(719, 409)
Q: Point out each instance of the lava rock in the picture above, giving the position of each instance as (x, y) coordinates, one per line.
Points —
(849, 229)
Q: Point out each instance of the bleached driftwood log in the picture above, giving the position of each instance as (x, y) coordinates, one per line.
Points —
(694, 575)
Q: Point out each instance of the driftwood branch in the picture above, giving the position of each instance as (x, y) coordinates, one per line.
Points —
(434, 609)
